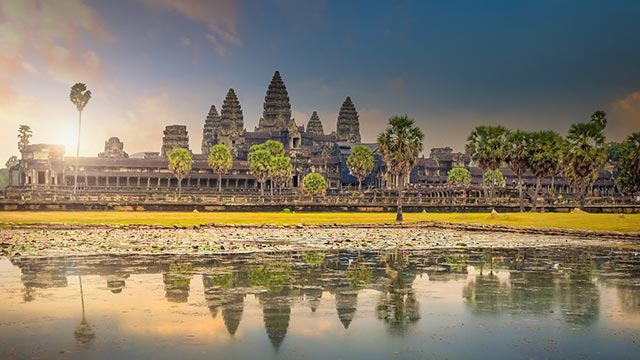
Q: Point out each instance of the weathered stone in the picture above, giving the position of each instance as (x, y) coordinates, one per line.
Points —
(175, 136)
(315, 125)
(113, 149)
(348, 127)
(211, 123)
(231, 129)
(277, 108)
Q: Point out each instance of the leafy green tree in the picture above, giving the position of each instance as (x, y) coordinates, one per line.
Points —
(180, 163)
(220, 161)
(493, 177)
(586, 153)
(79, 96)
(24, 136)
(275, 149)
(281, 170)
(11, 162)
(629, 176)
(260, 165)
(314, 184)
(614, 151)
(360, 163)
(459, 176)
(488, 146)
(545, 151)
(518, 157)
(400, 144)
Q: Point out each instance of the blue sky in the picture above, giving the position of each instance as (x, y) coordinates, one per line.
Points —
(451, 65)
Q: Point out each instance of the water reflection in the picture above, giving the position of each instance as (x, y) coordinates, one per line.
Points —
(390, 287)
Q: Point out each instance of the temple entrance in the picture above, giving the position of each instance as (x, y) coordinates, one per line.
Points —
(41, 177)
(294, 181)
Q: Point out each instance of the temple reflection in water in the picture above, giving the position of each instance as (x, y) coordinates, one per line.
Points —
(496, 282)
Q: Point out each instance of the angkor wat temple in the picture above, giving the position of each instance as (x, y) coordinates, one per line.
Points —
(309, 147)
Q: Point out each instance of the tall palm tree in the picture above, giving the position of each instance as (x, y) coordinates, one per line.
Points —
(180, 163)
(629, 177)
(400, 144)
(220, 161)
(545, 156)
(487, 146)
(79, 97)
(517, 157)
(586, 153)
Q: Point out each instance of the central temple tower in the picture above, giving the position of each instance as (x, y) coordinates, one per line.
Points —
(277, 108)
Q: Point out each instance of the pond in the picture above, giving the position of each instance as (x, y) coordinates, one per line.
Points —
(526, 303)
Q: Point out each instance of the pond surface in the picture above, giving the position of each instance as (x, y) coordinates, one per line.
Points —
(455, 304)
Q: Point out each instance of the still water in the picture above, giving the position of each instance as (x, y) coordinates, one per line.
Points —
(456, 304)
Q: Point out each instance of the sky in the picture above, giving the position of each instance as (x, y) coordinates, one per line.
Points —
(450, 65)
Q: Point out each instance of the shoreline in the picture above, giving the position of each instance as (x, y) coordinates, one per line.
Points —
(470, 227)
(57, 240)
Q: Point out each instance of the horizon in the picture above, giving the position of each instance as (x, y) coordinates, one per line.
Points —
(153, 63)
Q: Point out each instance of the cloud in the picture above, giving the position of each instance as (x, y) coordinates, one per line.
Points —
(52, 32)
(220, 17)
(624, 116)
(221, 50)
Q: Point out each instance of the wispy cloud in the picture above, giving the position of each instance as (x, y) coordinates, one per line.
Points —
(220, 17)
(52, 32)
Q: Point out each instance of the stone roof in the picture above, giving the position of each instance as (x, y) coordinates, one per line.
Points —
(315, 125)
(277, 108)
(231, 118)
(211, 123)
(348, 127)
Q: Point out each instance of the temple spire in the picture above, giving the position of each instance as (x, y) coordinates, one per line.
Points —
(315, 125)
(348, 127)
(277, 108)
(210, 124)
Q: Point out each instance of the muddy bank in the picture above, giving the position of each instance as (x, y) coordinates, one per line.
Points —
(61, 240)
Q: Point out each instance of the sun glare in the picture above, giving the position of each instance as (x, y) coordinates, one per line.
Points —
(67, 136)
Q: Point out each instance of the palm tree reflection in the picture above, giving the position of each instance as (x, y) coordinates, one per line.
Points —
(399, 308)
(84, 333)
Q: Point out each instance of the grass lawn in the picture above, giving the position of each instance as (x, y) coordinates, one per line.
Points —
(582, 221)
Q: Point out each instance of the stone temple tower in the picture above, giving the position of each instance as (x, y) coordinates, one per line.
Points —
(175, 136)
(348, 128)
(210, 125)
(277, 108)
(315, 125)
(231, 130)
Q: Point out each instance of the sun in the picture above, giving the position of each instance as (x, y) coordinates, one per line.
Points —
(67, 136)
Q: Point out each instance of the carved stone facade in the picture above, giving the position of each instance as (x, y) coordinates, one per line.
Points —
(231, 129)
(276, 115)
(348, 128)
(315, 125)
(211, 123)
(175, 136)
(113, 149)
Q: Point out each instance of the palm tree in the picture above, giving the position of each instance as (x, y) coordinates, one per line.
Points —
(544, 157)
(487, 146)
(517, 158)
(180, 163)
(281, 170)
(260, 165)
(586, 153)
(629, 177)
(24, 134)
(220, 161)
(79, 97)
(360, 163)
(400, 144)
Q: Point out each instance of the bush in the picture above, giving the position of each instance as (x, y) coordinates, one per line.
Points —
(314, 184)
